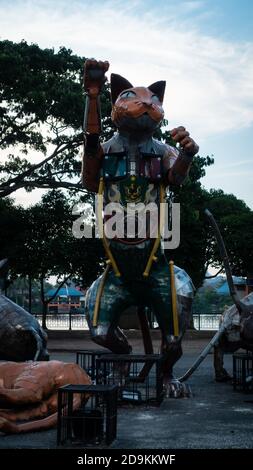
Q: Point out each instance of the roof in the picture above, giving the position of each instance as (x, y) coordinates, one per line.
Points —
(65, 292)
(224, 289)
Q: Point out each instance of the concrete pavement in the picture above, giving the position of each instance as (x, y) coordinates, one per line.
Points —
(214, 417)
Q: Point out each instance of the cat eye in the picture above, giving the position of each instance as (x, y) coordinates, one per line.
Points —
(128, 94)
(155, 99)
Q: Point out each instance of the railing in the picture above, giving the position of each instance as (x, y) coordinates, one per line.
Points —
(206, 321)
(69, 321)
(64, 321)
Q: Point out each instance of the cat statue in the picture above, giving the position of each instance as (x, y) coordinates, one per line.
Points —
(134, 169)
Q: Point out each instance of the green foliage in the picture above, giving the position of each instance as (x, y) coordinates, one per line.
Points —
(198, 247)
(37, 85)
(209, 301)
(18, 292)
(49, 235)
(12, 227)
(39, 243)
(235, 220)
(41, 110)
(191, 254)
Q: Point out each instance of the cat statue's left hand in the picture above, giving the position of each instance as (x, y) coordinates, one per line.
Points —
(181, 135)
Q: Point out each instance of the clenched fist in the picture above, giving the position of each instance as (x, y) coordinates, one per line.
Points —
(182, 136)
(94, 76)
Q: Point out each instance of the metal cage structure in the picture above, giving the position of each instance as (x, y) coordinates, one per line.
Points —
(86, 358)
(87, 415)
(243, 371)
(138, 376)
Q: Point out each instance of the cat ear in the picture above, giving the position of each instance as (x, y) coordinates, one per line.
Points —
(158, 88)
(118, 84)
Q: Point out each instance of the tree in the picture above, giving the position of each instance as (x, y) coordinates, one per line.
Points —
(12, 226)
(191, 255)
(41, 112)
(51, 249)
(235, 220)
(39, 243)
(198, 247)
(208, 300)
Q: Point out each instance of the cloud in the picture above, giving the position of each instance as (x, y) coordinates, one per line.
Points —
(238, 174)
(239, 163)
(25, 199)
(209, 80)
(193, 6)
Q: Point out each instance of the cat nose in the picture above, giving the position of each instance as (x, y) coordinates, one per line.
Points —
(147, 102)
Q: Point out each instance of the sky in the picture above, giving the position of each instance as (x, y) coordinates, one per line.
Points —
(202, 48)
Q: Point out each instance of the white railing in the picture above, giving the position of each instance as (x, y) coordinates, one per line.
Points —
(206, 321)
(65, 321)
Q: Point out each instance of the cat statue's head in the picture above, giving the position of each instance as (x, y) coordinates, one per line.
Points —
(136, 108)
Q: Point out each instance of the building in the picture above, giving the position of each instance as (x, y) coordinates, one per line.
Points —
(67, 299)
(240, 284)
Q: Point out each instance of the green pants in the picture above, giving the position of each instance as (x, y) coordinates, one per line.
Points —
(119, 294)
(154, 292)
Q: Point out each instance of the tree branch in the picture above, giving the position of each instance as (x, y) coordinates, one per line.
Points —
(58, 288)
(214, 275)
(59, 149)
(45, 184)
(11, 124)
(12, 185)
(51, 183)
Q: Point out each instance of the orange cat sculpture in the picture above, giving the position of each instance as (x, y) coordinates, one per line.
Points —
(28, 393)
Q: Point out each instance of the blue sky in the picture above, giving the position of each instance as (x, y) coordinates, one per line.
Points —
(202, 48)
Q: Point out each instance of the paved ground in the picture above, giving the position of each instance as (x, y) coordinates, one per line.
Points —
(215, 416)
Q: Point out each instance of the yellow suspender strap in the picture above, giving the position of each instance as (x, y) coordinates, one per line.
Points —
(152, 256)
(111, 259)
(174, 299)
(98, 298)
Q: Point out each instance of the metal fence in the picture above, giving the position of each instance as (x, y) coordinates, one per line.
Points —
(69, 321)
(206, 321)
(64, 321)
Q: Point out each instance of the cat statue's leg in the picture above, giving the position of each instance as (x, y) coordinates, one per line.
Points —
(160, 301)
(172, 351)
(114, 299)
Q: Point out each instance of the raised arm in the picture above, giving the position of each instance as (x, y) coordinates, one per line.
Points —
(94, 78)
(188, 148)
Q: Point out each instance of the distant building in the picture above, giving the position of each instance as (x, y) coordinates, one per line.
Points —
(249, 283)
(67, 299)
(240, 284)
